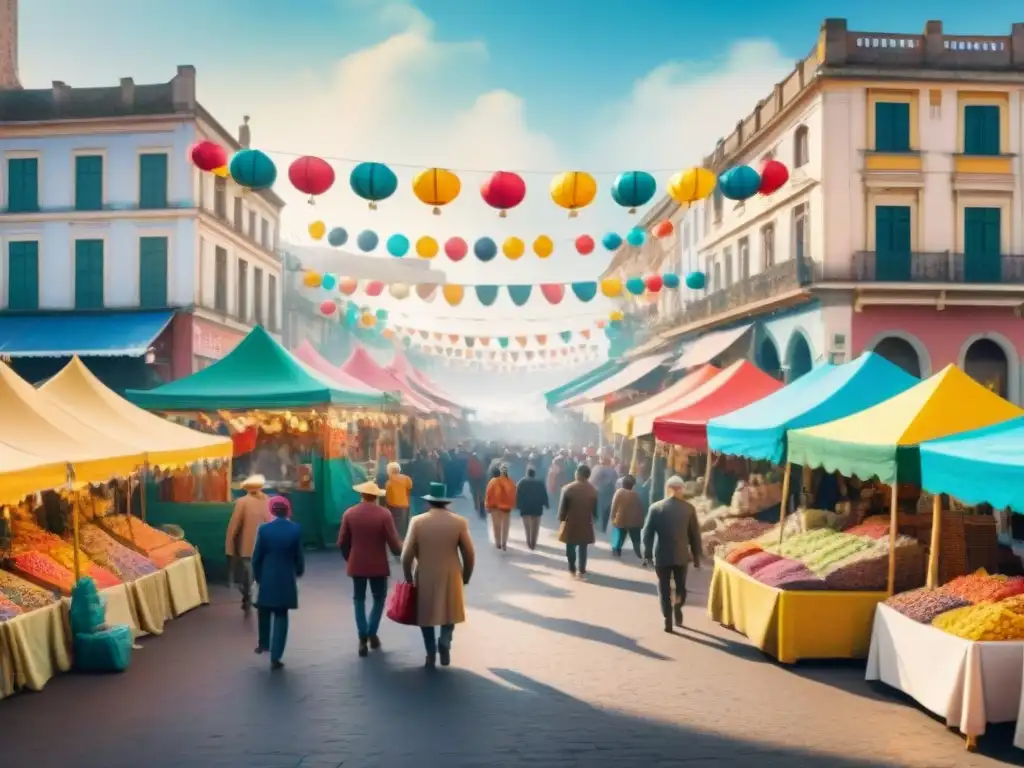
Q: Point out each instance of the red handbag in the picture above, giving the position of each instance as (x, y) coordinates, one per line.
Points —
(402, 604)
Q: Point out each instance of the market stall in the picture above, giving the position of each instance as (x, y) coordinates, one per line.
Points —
(622, 420)
(308, 354)
(406, 373)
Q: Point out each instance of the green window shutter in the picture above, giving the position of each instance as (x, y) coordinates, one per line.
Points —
(22, 185)
(88, 274)
(23, 275)
(153, 181)
(892, 126)
(153, 272)
(89, 183)
(981, 129)
(982, 245)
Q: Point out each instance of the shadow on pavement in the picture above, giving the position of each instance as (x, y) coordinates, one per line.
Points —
(626, 585)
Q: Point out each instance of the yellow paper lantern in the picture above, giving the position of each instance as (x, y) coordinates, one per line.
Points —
(611, 287)
(426, 247)
(453, 294)
(543, 246)
(513, 248)
(573, 190)
(616, 316)
(317, 230)
(692, 185)
(222, 172)
(312, 279)
(436, 187)
(368, 320)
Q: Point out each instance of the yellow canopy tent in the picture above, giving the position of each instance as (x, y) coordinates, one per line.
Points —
(22, 473)
(79, 393)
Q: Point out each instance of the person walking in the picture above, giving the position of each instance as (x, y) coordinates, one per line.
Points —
(277, 564)
(438, 558)
(671, 537)
(499, 500)
(251, 511)
(627, 517)
(367, 532)
(577, 511)
(477, 483)
(531, 501)
(397, 496)
(603, 479)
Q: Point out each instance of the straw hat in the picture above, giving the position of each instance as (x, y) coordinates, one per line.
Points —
(369, 488)
(254, 482)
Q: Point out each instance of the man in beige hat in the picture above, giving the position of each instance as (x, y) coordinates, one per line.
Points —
(367, 533)
(251, 511)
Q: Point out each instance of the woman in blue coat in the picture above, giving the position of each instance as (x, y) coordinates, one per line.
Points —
(277, 562)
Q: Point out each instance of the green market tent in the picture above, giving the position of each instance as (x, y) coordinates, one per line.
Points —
(584, 381)
(257, 374)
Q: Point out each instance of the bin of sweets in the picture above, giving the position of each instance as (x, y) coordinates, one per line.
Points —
(24, 594)
(145, 538)
(104, 550)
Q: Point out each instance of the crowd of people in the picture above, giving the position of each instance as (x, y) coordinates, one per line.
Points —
(588, 490)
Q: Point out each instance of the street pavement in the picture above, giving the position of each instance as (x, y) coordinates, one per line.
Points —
(548, 671)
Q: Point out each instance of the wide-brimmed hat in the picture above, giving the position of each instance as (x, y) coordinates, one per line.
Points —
(369, 488)
(254, 481)
(438, 494)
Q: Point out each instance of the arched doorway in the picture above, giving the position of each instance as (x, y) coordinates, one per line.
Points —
(900, 352)
(800, 359)
(767, 357)
(985, 361)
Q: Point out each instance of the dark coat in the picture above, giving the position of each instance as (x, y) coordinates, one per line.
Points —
(577, 511)
(277, 562)
(531, 497)
(627, 509)
(673, 524)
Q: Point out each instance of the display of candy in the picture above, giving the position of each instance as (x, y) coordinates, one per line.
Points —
(101, 576)
(800, 582)
(1015, 604)
(800, 545)
(164, 556)
(143, 536)
(980, 587)
(44, 570)
(782, 569)
(64, 554)
(8, 609)
(740, 551)
(114, 556)
(869, 570)
(752, 565)
(869, 530)
(840, 548)
(24, 594)
(982, 623)
(924, 605)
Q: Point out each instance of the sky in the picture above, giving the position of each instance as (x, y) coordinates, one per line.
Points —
(534, 86)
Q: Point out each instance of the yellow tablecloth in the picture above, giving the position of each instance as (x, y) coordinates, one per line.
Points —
(152, 601)
(186, 584)
(34, 648)
(791, 625)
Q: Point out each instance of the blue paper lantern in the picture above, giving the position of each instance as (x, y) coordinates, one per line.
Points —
(739, 183)
(695, 281)
(486, 294)
(633, 189)
(253, 169)
(520, 294)
(636, 237)
(485, 249)
(373, 182)
(337, 237)
(611, 241)
(328, 282)
(670, 279)
(585, 291)
(367, 240)
(636, 286)
(398, 245)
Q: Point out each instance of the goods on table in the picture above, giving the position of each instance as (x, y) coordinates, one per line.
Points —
(44, 570)
(801, 544)
(986, 622)
(144, 537)
(789, 574)
(732, 531)
(8, 609)
(101, 576)
(869, 568)
(114, 556)
(29, 537)
(838, 549)
(981, 587)
(742, 550)
(924, 605)
(169, 553)
(755, 563)
(24, 594)
(64, 554)
(750, 498)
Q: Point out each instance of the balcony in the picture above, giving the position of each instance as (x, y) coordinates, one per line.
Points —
(944, 268)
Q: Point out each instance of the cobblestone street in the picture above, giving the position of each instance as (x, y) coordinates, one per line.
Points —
(547, 672)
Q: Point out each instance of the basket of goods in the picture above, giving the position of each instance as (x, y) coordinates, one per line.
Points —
(44, 571)
(924, 605)
(24, 594)
(982, 623)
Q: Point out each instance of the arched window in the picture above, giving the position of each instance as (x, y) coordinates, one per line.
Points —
(767, 357)
(801, 147)
(799, 359)
(900, 352)
(986, 363)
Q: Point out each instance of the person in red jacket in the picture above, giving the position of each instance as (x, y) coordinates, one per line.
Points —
(367, 533)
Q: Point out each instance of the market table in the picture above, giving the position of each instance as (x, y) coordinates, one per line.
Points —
(967, 683)
(119, 607)
(792, 625)
(186, 585)
(152, 600)
(34, 647)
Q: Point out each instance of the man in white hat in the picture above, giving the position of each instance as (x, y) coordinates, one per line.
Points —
(671, 538)
(251, 511)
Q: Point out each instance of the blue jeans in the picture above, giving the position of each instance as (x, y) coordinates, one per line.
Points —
(619, 536)
(443, 638)
(379, 590)
(272, 634)
(570, 554)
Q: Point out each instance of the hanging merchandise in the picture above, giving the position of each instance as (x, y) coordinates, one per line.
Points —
(312, 280)
(584, 245)
(374, 288)
(504, 190)
(654, 283)
(455, 248)
(636, 237)
(739, 183)
(553, 292)
(328, 281)
(337, 237)
(328, 307)
(208, 156)
(426, 247)
(611, 287)
(311, 176)
(773, 176)
(695, 281)
(453, 294)
(317, 230)
(436, 187)
(486, 294)
(670, 279)
(573, 190)
(633, 189)
(485, 249)
(398, 245)
(663, 229)
(348, 285)
(543, 246)
(373, 182)
(585, 291)
(367, 240)
(253, 169)
(513, 248)
(520, 294)
(399, 291)
(635, 285)
(691, 185)
(611, 241)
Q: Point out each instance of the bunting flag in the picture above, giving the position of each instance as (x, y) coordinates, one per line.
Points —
(520, 294)
(486, 294)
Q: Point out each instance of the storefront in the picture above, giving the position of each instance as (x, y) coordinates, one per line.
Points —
(210, 342)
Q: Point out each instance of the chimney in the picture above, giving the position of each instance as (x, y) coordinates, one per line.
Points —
(9, 46)
(183, 89)
(244, 133)
(61, 92)
(128, 93)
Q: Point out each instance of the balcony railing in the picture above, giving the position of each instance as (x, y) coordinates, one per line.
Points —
(914, 267)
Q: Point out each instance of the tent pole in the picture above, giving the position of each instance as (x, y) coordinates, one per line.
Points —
(893, 532)
(143, 491)
(131, 530)
(933, 552)
(785, 500)
(74, 526)
(636, 450)
(707, 471)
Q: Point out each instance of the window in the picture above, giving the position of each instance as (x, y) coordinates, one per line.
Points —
(220, 279)
(89, 183)
(257, 295)
(982, 245)
(252, 225)
(88, 274)
(272, 302)
(152, 272)
(981, 130)
(801, 147)
(743, 252)
(239, 215)
(264, 233)
(220, 198)
(717, 201)
(892, 126)
(23, 275)
(243, 290)
(22, 185)
(727, 258)
(768, 245)
(801, 239)
(153, 180)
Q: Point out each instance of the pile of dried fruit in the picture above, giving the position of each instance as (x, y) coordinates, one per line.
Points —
(64, 554)
(869, 530)
(754, 564)
(145, 537)
(924, 605)
(838, 549)
(987, 622)
(101, 576)
(980, 587)
(24, 594)
(170, 553)
(8, 609)
(43, 569)
(742, 550)
(113, 556)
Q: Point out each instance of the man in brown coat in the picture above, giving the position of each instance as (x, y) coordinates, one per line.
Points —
(672, 522)
(577, 512)
(251, 511)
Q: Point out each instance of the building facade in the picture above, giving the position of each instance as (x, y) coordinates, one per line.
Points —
(901, 228)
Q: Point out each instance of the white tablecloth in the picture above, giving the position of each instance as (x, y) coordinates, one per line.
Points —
(968, 684)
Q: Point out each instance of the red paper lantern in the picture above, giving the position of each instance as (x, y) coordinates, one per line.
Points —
(664, 229)
(328, 307)
(654, 283)
(584, 244)
(504, 191)
(455, 248)
(773, 175)
(553, 292)
(311, 176)
(374, 288)
(208, 156)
